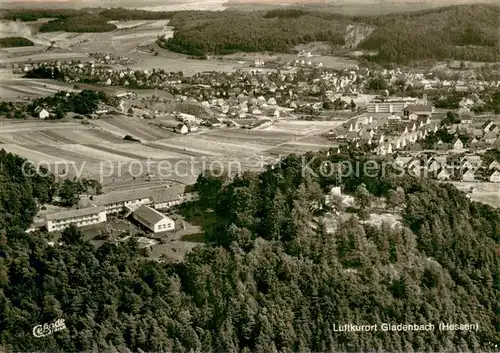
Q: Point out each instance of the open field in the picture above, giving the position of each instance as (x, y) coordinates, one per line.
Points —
(15, 88)
(98, 150)
(488, 193)
(45, 56)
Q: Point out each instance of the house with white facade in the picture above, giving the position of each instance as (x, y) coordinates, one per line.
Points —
(115, 202)
(469, 175)
(42, 113)
(495, 177)
(165, 198)
(78, 217)
(444, 175)
(153, 220)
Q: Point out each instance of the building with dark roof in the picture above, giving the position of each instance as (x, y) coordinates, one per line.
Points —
(153, 220)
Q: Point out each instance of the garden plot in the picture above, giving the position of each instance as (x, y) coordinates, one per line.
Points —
(33, 155)
(106, 126)
(96, 154)
(145, 152)
(256, 138)
(116, 150)
(68, 155)
(209, 143)
(184, 147)
(99, 135)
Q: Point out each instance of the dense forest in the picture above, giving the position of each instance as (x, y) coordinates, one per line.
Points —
(201, 33)
(273, 277)
(80, 23)
(10, 42)
(84, 20)
(461, 32)
(468, 32)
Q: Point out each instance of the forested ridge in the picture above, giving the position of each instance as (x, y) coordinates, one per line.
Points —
(272, 278)
(465, 32)
(468, 32)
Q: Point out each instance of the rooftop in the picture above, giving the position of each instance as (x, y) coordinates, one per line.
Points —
(149, 214)
(120, 196)
(81, 212)
(418, 108)
(167, 194)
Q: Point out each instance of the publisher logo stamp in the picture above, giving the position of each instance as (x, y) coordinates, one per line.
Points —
(48, 329)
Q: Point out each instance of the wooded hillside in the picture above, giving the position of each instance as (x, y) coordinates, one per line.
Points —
(272, 278)
(467, 32)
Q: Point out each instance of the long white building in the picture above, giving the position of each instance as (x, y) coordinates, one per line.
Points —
(93, 210)
(153, 220)
(79, 217)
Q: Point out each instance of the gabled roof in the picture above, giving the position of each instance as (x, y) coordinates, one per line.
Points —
(418, 108)
(490, 135)
(149, 214)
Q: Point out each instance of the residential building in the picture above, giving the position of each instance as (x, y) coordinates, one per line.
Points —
(469, 175)
(494, 165)
(115, 202)
(414, 111)
(457, 144)
(159, 198)
(182, 129)
(490, 137)
(444, 175)
(78, 217)
(390, 106)
(153, 220)
(164, 198)
(495, 177)
(42, 113)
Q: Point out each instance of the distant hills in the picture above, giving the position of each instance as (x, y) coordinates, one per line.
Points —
(466, 32)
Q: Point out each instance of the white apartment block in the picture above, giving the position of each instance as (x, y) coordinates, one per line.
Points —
(79, 217)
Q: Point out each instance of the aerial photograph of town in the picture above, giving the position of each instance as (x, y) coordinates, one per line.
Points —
(249, 176)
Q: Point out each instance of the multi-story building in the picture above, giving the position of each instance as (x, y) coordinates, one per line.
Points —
(115, 202)
(93, 210)
(79, 217)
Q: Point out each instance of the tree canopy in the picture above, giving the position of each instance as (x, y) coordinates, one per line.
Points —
(274, 277)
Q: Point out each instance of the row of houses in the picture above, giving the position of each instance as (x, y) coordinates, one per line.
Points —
(467, 168)
(142, 202)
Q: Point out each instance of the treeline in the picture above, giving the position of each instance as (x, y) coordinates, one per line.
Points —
(85, 22)
(467, 32)
(28, 15)
(229, 32)
(10, 42)
(121, 14)
(85, 102)
(275, 277)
